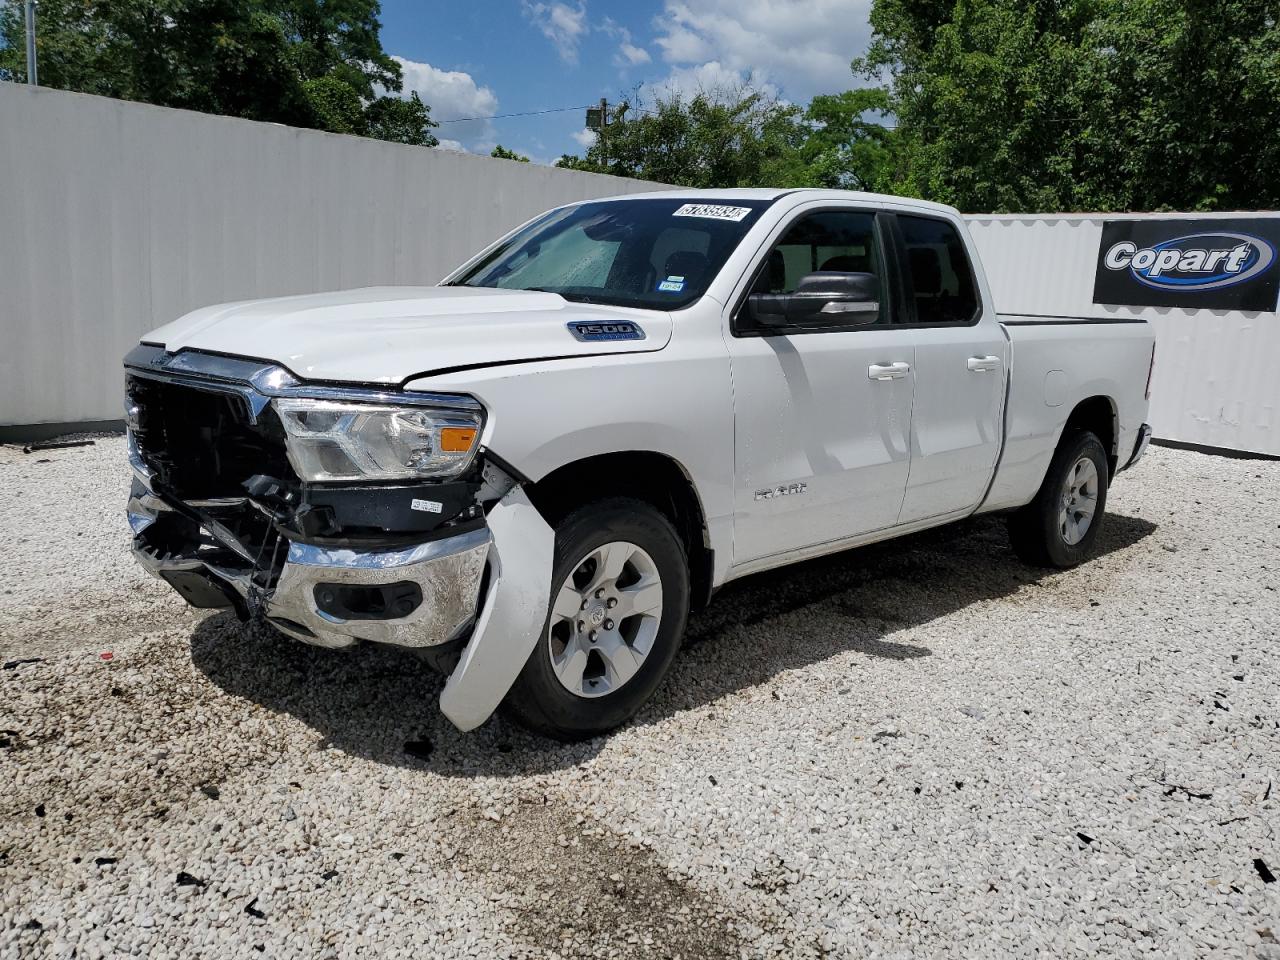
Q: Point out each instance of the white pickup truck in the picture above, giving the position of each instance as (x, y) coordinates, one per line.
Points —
(534, 470)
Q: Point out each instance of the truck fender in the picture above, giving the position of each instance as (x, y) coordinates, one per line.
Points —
(521, 556)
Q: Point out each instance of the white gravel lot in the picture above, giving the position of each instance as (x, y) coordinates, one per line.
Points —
(918, 749)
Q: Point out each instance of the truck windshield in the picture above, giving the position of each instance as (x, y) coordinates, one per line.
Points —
(658, 253)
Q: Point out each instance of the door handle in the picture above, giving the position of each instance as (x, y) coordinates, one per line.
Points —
(982, 364)
(888, 371)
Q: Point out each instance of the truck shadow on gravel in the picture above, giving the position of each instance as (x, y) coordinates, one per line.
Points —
(375, 702)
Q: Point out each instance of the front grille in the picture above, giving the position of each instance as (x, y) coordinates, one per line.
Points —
(199, 442)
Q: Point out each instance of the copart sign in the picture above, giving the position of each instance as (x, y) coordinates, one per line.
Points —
(1195, 264)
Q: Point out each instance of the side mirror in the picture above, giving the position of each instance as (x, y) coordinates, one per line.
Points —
(821, 299)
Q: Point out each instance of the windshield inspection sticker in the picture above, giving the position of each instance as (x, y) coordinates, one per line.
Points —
(712, 211)
(672, 285)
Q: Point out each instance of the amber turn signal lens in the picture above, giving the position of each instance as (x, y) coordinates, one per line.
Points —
(457, 439)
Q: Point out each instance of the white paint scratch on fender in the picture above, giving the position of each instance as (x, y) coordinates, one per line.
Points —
(522, 554)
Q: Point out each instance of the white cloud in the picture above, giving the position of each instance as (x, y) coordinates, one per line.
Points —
(454, 145)
(629, 55)
(802, 47)
(584, 137)
(560, 23)
(452, 95)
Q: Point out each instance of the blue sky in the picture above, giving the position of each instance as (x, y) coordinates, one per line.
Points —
(478, 58)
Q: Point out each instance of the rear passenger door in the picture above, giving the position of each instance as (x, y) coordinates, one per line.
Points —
(961, 357)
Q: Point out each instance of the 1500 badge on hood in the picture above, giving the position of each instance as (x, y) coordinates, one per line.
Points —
(1222, 264)
(610, 330)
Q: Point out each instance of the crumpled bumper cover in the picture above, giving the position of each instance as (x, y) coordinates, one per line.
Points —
(448, 571)
(516, 546)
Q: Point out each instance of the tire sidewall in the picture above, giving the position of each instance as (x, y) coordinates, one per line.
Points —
(1065, 554)
(538, 698)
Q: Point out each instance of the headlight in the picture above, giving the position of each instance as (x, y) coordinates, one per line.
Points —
(337, 440)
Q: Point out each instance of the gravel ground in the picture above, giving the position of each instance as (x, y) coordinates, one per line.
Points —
(917, 749)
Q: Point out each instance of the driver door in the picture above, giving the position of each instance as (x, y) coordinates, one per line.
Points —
(822, 413)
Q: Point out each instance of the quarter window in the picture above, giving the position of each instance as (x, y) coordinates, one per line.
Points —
(941, 278)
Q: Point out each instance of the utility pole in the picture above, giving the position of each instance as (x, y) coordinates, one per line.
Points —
(598, 120)
(32, 75)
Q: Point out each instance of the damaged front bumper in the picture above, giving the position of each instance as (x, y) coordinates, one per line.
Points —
(492, 582)
(416, 596)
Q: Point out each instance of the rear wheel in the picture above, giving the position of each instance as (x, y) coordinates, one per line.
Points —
(1058, 528)
(620, 598)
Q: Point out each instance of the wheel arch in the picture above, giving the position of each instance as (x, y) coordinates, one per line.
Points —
(657, 479)
(1099, 415)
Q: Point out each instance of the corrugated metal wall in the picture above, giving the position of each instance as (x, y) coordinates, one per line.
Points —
(117, 217)
(1216, 380)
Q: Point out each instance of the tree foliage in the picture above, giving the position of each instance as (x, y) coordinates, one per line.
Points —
(1015, 105)
(300, 62)
(744, 138)
(502, 153)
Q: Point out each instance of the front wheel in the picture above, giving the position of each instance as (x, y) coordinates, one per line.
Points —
(1058, 528)
(619, 602)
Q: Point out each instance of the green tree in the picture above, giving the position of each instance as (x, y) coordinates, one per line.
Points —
(1015, 105)
(840, 146)
(716, 139)
(745, 138)
(308, 63)
(502, 153)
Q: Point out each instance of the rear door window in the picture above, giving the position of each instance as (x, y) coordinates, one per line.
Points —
(941, 278)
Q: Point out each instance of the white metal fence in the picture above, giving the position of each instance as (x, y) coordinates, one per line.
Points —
(117, 217)
(1216, 380)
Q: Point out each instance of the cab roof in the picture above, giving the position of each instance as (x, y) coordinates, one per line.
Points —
(773, 193)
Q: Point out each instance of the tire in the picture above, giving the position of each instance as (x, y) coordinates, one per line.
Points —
(581, 681)
(1038, 532)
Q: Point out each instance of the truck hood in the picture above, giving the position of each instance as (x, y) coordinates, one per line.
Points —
(394, 334)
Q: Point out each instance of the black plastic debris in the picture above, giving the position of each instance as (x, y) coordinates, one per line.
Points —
(1190, 794)
(39, 809)
(397, 855)
(1084, 837)
(15, 664)
(210, 791)
(185, 879)
(251, 908)
(1264, 872)
(419, 749)
(714, 781)
(106, 861)
(328, 875)
(55, 445)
